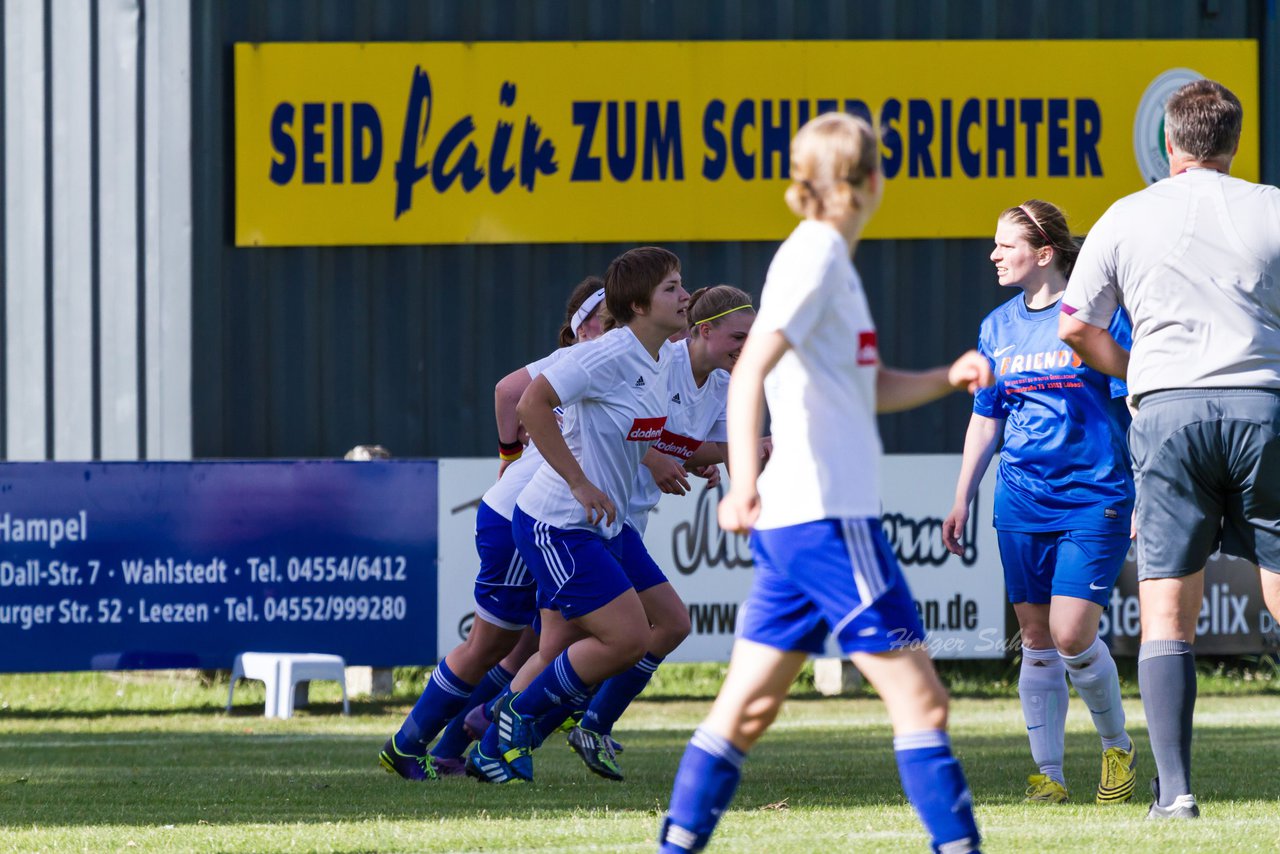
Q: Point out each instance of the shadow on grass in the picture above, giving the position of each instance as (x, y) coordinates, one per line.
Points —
(144, 778)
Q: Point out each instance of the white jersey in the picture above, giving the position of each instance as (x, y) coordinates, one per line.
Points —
(694, 415)
(614, 396)
(501, 497)
(822, 392)
(1194, 259)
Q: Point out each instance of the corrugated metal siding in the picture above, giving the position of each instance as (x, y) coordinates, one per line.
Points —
(94, 271)
(305, 352)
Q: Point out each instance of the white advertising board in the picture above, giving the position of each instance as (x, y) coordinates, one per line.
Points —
(960, 599)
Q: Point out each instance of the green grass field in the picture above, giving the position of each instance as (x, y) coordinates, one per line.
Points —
(150, 762)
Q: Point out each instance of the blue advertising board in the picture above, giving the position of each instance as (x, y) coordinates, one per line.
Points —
(125, 566)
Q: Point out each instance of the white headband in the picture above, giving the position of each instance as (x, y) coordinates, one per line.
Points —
(584, 311)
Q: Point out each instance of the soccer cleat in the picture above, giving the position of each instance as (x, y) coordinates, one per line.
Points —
(477, 721)
(1119, 773)
(410, 766)
(596, 752)
(567, 725)
(450, 766)
(1183, 806)
(488, 770)
(515, 737)
(1042, 789)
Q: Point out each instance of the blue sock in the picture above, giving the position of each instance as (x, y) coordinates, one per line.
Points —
(935, 785)
(616, 693)
(551, 721)
(555, 686)
(454, 740)
(705, 782)
(443, 697)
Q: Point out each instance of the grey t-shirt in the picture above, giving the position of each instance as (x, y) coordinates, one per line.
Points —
(1195, 261)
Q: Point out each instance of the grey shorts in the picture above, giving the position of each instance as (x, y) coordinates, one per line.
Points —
(1206, 463)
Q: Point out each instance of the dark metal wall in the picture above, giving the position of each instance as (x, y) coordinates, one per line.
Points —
(306, 352)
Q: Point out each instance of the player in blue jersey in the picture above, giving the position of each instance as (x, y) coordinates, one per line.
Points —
(822, 564)
(1064, 497)
(498, 643)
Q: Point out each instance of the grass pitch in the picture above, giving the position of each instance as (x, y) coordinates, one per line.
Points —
(150, 762)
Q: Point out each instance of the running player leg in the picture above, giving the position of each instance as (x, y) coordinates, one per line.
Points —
(458, 735)
(757, 682)
(669, 626)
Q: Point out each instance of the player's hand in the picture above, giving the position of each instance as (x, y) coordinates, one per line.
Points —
(971, 372)
(709, 473)
(598, 506)
(1133, 524)
(953, 526)
(502, 466)
(668, 473)
(739, 509)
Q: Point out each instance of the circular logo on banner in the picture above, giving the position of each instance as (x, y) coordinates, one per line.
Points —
(1148, 123)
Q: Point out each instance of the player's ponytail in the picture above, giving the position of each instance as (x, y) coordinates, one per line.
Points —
(831, 158)
(708, 305)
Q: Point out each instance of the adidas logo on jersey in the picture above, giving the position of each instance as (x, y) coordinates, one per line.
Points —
(639, 382)
(675, 398)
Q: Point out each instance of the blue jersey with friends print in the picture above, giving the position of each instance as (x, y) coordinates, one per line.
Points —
(1065, 461)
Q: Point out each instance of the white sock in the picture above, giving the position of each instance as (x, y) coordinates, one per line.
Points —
(1042, 686)
(1093, 672)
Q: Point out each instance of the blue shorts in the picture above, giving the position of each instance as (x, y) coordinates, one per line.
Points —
(833, 576)
(1039, 565)
(505, 590)
(637, 563)
(577, 571)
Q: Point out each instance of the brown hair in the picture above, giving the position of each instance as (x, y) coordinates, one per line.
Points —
(706, 303)
(632, 278)
(830, 154)
(581, 291)
(1044, 224)
(1203, 119)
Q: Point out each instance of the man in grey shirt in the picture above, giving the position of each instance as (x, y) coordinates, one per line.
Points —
(1195, 260)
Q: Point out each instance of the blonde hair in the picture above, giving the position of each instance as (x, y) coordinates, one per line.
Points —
(831, 155)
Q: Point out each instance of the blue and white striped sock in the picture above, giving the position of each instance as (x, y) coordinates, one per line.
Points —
(705, 784)
(444, 697)
(454, 739)
(616, 693)
(558, 685)
(934, 783)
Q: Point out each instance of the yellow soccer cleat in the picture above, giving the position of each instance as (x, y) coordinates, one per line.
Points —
(1042, 789)
(1119, 772)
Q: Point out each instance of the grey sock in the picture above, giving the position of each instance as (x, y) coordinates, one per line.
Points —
(1167, 680)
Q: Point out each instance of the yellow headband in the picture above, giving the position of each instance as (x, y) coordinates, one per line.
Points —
(723, 313)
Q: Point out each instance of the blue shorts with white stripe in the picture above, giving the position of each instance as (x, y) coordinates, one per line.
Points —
(833, 576)
(577, 571)
(505, 591)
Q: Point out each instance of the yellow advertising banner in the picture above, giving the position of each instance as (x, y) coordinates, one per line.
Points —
(550, 142)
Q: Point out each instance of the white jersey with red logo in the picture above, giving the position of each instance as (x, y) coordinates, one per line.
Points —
(694, 415)
(614, 396)
(501, 497)
(822, 392)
